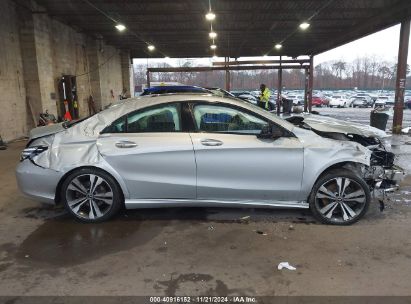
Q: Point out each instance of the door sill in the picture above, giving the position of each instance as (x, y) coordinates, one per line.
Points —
(158, 203)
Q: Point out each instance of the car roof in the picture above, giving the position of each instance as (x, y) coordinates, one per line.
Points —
(174, 88)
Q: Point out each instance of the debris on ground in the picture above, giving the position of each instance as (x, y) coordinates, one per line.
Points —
(261, 232)
(210, 228)
(291, 227)
(285, 265)
(245, 219)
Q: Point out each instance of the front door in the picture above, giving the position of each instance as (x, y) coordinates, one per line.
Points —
(234, 164)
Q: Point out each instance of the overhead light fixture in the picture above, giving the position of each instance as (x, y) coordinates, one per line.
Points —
(212, 35)
(120, 27)
(151, 47)
(265, 56)
(166, 57)
(213, 46)
(304, 26)
(278, 46)
(210, 16)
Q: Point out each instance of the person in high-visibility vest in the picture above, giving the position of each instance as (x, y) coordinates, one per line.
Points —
(264, 97)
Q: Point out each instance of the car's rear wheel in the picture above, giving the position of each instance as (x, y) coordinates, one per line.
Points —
(339, 197)
(91, 195)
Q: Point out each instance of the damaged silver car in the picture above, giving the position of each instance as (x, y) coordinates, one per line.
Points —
(203, 150)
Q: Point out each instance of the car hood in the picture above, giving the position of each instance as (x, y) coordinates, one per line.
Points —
(46, 130)
(329, 124)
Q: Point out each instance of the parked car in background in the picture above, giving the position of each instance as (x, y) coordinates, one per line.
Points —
(297, 99)
(407, 101)
(391, 101)
(173, 89)
(366, 97)
(220, 92)
(339, 101)
(360, 102)
(244, 95)
(202, 150)
(381, 101)
(319, 101)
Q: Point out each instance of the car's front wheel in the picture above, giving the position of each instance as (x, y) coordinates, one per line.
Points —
(339, 197)
(91, 195)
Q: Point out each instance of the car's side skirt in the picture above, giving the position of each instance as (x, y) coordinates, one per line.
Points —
(157, 203)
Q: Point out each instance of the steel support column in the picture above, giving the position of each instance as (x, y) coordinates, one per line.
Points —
(280, 85)
(148, 78)
(227, 74)
(306, 91)
(310, 83)
(401, 77)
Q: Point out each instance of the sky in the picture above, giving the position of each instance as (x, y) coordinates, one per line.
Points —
(383, 45)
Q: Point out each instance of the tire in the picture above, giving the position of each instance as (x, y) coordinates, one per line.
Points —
(101, 204)
(332, 208)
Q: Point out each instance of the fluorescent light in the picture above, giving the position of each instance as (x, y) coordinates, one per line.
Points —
(278, 46)
(304, 26)
(210, 16)
(120, 27)
(166, 57)
(212, 35)
(151, 47)
(213, 46)
(265, 56)
(215, 57)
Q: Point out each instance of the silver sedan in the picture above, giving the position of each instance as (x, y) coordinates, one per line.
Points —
(200, 150)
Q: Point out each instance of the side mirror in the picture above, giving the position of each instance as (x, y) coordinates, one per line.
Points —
(270, 132)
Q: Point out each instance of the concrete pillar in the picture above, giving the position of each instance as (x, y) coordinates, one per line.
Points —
(227, 75)
(127, 73)
(401, 77)
(306, 91)
(13, 114)
(94, 72)
(310, 84)
(279, 89)
(30, 71)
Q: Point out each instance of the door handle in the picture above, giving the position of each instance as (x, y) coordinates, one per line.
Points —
(126, 144)
(211, 142)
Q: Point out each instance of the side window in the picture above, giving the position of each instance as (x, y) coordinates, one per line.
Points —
(222, 119)
(162, 119)
(118, 126)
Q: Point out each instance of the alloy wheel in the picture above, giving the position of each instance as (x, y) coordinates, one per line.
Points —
(89, 196)
(340, 199)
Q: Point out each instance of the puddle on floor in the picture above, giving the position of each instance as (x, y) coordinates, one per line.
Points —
(62, 241)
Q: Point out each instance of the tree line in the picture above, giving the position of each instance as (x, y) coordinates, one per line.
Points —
(363, 73)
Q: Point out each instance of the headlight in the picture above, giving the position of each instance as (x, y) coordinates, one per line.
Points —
(32, 151)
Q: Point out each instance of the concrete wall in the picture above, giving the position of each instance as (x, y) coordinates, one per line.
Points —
(13, 119)
(37, 50)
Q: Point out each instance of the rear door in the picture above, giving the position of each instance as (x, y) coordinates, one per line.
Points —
(152, 153)
(234, 164)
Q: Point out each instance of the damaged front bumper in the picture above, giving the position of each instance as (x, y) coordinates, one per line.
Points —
(387, 184)
(390, 179)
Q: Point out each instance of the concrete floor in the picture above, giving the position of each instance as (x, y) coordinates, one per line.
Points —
(202, 251)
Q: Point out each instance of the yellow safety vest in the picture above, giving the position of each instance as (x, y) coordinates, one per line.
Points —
(265, 97)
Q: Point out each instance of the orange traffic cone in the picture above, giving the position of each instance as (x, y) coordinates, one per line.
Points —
(67, 115)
